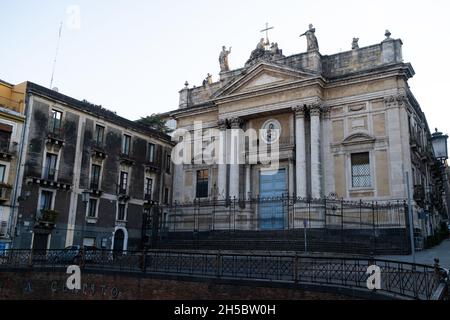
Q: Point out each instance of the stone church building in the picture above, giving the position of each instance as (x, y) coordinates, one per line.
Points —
(348, 126)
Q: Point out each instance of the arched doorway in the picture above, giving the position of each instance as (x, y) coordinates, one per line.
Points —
(119, 238)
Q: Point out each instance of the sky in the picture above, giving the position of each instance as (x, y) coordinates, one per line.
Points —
(133, 56)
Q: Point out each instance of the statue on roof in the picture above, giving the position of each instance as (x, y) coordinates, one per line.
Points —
(312, 44)
(355, 43)
(223, 59)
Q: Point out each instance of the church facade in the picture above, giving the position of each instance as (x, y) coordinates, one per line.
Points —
(346, 125)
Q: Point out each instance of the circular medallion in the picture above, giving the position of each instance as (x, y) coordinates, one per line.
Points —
(271, 131)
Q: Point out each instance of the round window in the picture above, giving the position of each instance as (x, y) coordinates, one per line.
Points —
(271, 131)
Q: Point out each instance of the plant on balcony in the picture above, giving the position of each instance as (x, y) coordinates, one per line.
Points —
(48, 215)
(5, 185)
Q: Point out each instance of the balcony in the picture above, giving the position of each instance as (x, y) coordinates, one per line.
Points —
(55, 134)
(3, 228)
(419, 194)
(147, 197)
(50, 174)
(47, 218)
(5, 192)
(48, 179)
(95, 188)
(125, 159)
(7, 152)
(98, 149)
(152, 167)
(122, 193)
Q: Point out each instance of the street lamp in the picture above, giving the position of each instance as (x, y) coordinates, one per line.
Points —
(439, 141)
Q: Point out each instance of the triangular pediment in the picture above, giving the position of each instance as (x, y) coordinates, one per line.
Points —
(357, 138)
(262, 76)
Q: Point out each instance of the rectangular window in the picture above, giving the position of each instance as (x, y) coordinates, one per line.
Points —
(166, 196)
(151, 152)
(2, 172)
(126, 142)
(55, 122)
(361, 170)
(89, 242)
(92, 208)
(123, 182)
(98, 135)
(121, 216)
(168, 163)
(202, 184)
(5, 136)
(50, 166)
(148, 186)
(46, 200)
(95, 177)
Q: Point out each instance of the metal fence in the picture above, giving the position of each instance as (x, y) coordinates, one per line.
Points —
(287, 224)
(401, 279)
(284, 213)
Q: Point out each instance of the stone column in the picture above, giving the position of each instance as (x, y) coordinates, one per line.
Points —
(315, 150)
(399, 148)
(222, 160)
(291, 190)
(234, 151)
(300, 151)
(248, 189)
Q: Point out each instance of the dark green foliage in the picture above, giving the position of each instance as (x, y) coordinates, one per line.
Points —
(155, 121)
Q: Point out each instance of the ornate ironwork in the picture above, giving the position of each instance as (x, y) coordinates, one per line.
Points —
(398, 279)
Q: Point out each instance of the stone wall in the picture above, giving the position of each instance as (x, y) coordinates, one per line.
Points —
(51, 285)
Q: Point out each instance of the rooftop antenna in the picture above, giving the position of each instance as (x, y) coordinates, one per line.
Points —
(56, 54)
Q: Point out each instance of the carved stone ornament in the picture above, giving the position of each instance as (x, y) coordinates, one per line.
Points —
(299, 111)
(235, 122)
(395, 100)
(222, 124)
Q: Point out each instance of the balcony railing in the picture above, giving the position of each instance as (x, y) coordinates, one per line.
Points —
(95, 185)
(3, 228)
(5, 191)
(50, 174)
(47, 216)
(419, 193)
(55, 132)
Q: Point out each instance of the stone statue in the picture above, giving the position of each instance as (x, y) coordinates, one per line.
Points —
(261, 45)
(223, 59)
(311, 39)
(274, 48)
(355, 43)
(259, 51)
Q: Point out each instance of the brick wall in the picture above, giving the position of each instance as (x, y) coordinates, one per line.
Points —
(51, 285)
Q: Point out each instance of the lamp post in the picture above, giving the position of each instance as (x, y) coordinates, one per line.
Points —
(439, 141)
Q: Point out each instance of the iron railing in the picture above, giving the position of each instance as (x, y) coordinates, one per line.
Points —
(285, 211)
(399, 279)
(287, 223)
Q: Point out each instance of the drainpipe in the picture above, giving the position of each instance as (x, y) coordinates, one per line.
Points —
(12, 223)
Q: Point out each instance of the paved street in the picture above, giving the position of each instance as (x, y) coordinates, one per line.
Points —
(427, 256)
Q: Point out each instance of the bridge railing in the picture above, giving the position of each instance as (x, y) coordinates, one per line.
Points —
(402, 279)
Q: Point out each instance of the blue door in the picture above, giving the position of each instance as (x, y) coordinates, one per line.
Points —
(272, 184)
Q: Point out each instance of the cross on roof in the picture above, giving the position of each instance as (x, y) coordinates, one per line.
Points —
(267, 31)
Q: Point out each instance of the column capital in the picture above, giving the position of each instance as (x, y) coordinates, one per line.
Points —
(397, 100)
(222, 124)
(299, 111)
(235, 122)
(315, 109)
